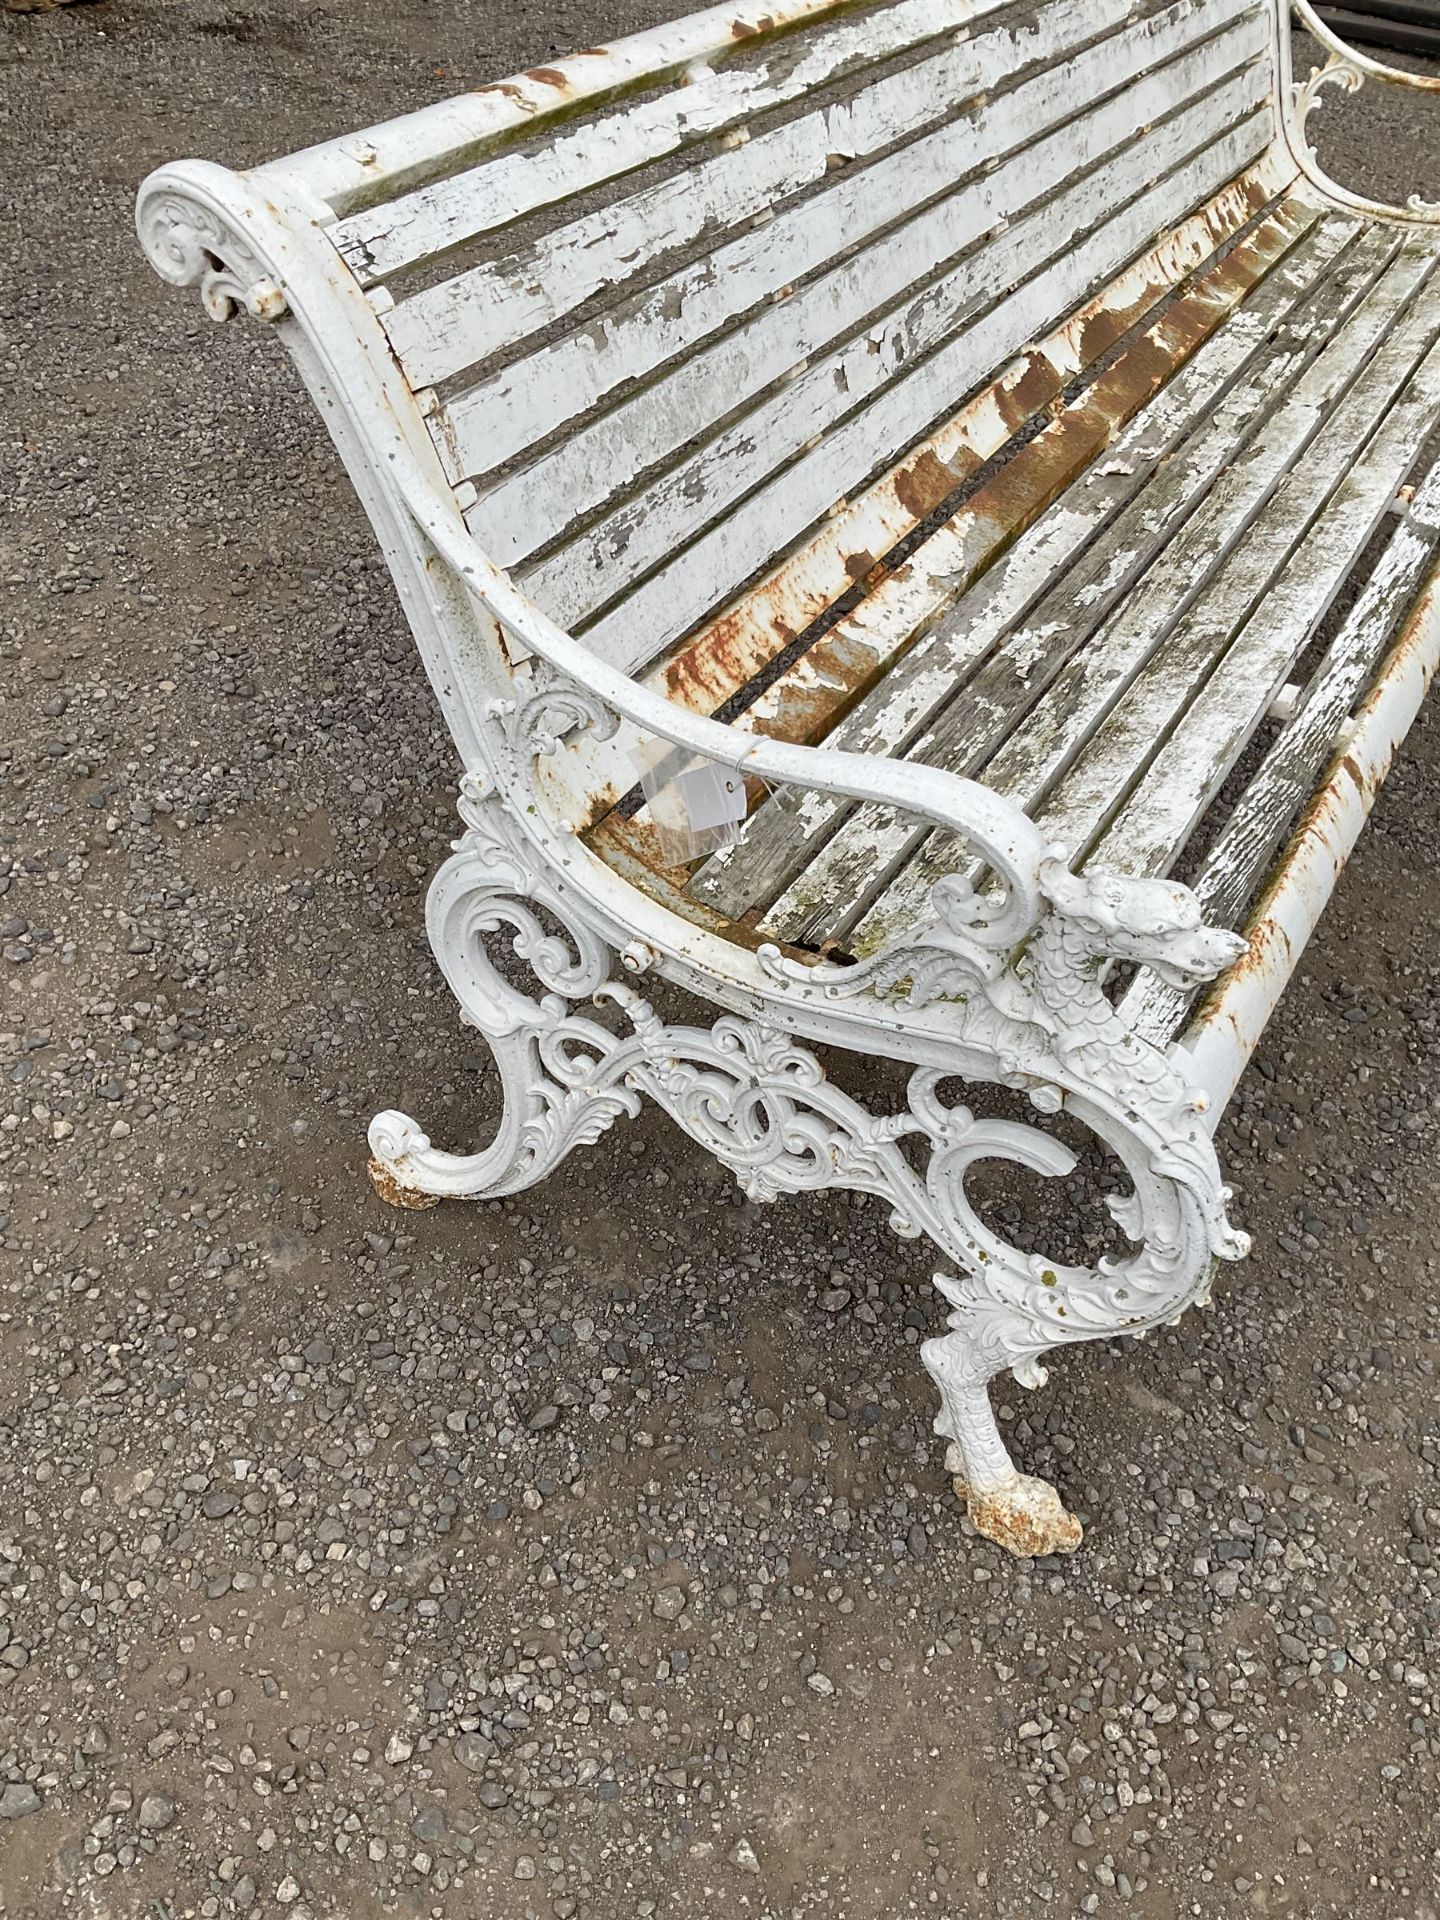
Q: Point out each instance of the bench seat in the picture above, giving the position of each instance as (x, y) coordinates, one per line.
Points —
(987, 430)
(1100, 622)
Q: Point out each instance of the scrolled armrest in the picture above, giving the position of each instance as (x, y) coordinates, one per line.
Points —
(1000, 832)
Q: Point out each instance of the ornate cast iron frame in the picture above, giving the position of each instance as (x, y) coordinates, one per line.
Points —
(1002, 987)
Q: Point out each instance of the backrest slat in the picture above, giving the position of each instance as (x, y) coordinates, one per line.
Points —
(457, 323)
(661, 326)
(379, 163)
(380, 241)
(888, 288)
(700, 576)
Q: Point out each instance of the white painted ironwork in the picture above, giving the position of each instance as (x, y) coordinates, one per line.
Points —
(1000, 982)
(1345, 70)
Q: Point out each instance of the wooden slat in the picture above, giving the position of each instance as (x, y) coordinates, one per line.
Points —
(463, 320)
(1171, 684)
(699, 577)
(536, 502)
(360, 170)
(1066, 762)
(1040, 609)
(1236, 865)
(384, 239)
(724, 656)
(1183, 777)
(906, 610)
(1023, 723)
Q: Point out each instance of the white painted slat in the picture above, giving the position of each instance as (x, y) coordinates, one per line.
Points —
(379, 162)
(1183, 778)
(1078, 754)
(1194, 424)
(382, 239)
(1236, 865)
(699, 577)
(907, 610)
(811, 576)
(462, 321)
(840, 885)
(595, 462)
(1025, 761)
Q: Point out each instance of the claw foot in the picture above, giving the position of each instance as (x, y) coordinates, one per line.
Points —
(394, 1194)
(1026, 1517)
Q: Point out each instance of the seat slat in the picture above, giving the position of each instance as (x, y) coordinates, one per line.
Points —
(381, 240)
(1035, 614)
(1115, 758)
(700, 576)
(536, 502)
(905, 612)
(904, 609)
(1037, 696)
(1236, 865)
(1071, 760)
(1184, 776)
(462, 321)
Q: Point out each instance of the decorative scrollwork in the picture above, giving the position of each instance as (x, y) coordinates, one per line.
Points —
(191, 244)
(762, 1104)
(1346, 70)
(558, 710)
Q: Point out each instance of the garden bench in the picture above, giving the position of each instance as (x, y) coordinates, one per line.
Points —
(938, 430)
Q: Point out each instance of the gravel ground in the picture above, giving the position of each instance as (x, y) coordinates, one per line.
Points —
(587, 1554)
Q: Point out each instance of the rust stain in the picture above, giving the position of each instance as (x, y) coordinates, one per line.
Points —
(1095, 330)
(921, 486)
(507, 88)
(1024, 1531)
(631, 849)
(728, 654)
(549, 77)
(861, 565)
(394, 1194)
(1021, 395)
(1269, 952)
(1352, 766)
(838, 669)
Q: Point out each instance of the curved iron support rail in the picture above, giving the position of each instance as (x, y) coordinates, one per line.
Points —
(1347, 69)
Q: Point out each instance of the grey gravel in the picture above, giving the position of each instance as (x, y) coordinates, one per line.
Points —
(349, 1539)
(157, 1810)
(17, 1800)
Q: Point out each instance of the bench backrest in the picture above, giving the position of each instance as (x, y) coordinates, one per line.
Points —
(659, 330)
